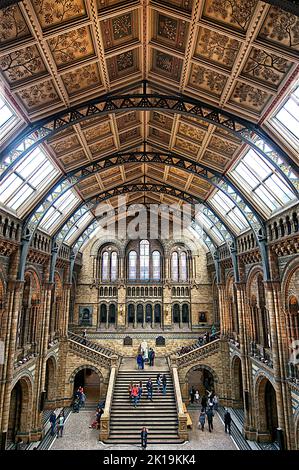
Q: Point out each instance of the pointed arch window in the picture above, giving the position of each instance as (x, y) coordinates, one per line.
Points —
(144, 259)
(132, 265)
(156, 265)
(174, 266)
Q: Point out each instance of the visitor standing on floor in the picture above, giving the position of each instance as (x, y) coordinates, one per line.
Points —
(202, 419)
(60, 424)
(140, 362)
(153, 357)
(204, 401)
(143, 435)
(210, 416)
(149, 387)
(164, 384)
(197, 396)
(53, 422)
(227, 421)
(192, 394)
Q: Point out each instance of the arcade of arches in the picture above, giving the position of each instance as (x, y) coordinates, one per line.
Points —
(208, 115)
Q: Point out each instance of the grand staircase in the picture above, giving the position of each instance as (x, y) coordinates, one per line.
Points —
(160, 416)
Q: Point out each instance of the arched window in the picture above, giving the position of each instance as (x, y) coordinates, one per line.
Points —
(144, 259)
(132, 265)
(156, 266)
(113, 266)
(174, 266)
(105, 266)
(183, 267)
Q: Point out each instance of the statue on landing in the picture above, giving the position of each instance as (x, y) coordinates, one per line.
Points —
(144, 350)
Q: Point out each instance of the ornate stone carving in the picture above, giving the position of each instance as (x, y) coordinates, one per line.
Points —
(58, 11)
(235, 13)
(217, 47)
(206, 79)
(281, 27)
(12, 24)
(249, 96)
(21, 64)
(82, 79)
(39, 95)
(72, 46)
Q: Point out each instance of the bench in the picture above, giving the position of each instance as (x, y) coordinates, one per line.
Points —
(189, 420)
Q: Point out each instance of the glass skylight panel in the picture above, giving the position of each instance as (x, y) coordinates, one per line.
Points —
(27, 179)
(229, 211)
(78, 226)
(288, 115)
(59, 210)
(259, 178)
(6, 116)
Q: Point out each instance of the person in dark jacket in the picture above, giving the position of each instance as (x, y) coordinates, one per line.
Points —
(192, 394)
(227, 421)
(53, 422)
(164, 384)
(210, 416)
(143, 436)
(204, 402)
(149, 386)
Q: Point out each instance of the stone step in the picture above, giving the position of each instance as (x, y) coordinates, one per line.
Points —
(169, 440)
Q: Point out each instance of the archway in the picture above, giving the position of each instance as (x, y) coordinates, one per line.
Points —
(50, 383)
(157, 311)
(202, 378)
(237, 383)
(267, 411)
(176, 313)
(112, 314)
(20, 411)
(90, 380)
(149, 313)
(103, 314)
(185, 313)
(140, 313)
(131, 313)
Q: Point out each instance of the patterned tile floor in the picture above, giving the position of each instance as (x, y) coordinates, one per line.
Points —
(78, 436)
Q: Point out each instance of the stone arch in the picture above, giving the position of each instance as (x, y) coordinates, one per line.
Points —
(91, 378)
(28, 325)
(258, 313)
(85, 366)
(50, 380)
(2, 303)
(266, 407)
(237, 381)
(20, 412)
(99, 243)
(199, 375)
(290, 300)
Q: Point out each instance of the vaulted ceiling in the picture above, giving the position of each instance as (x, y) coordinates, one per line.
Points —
(234, 54)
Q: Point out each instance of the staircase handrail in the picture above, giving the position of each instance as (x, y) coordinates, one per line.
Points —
(182, 418)
(196, 353)
(105, 419)
(92, 345)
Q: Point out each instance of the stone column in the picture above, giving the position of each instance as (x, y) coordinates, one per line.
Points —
(280, 358)
(14, 304)
(42, 353)
(63, 329)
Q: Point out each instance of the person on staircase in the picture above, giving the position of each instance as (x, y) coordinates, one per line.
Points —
(164, 384)
(130, 390)
(84, 337)
(149, 387)
(143, 435)
(135, 395)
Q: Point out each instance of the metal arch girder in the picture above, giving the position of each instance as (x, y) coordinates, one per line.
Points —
(166, 158)
(48, 127)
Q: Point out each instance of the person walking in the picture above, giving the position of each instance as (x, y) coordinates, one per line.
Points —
(204, 402)
(149, 387)
(210, 416)
(164, 384)
(139, 361)
(202, 419)
(53, 422)
(196, 396)
(83, 399)
(84, 334)
(130, 390)
(135, 395)
(227, 421)
(192, 394)
(60, 424)
(143, 435)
